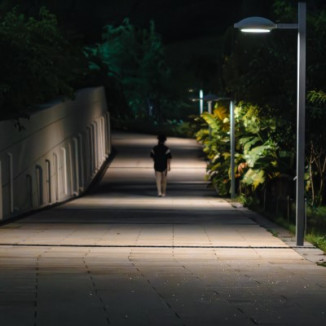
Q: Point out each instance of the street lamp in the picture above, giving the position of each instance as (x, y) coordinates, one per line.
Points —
(210, 98)
(232, 144)
(232, 148)
(201, 101)
(259, 25)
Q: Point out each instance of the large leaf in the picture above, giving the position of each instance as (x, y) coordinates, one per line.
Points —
(211, 121)
(221, 113)
(254, 178)
(251, 120)
(248, 142)
(255, 154)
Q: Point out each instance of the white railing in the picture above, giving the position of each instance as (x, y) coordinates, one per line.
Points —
(57, 154)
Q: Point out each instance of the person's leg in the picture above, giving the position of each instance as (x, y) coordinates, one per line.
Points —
(164, 182)
(158, 176)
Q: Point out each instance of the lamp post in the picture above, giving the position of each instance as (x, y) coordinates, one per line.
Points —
(263, 25)
(232, 144)
(210, 98)
(232, 148)
(201, 101)
(213, 98)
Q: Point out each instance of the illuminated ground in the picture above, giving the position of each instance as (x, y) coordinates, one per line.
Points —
(122, 256)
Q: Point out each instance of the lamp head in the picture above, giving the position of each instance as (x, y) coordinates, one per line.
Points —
(255, 25)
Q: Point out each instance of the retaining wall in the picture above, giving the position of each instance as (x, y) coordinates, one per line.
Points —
(57, 154)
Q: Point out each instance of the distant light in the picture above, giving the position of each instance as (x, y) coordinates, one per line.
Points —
(255, 25)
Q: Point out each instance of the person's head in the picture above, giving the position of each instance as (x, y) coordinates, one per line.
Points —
(161, 139)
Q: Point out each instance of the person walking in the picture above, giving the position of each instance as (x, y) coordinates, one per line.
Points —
(161, 156)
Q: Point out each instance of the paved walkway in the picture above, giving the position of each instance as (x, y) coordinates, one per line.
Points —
(122, 256)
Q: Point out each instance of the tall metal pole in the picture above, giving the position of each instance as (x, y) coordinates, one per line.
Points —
(1, 204)
(301, 102)
(209, 107)
(201, 101)
(232, 149)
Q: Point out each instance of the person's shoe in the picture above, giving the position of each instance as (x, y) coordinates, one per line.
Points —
(159, 195)
(163, 195)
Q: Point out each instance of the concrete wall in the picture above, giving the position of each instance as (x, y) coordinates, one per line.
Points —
(56, 156)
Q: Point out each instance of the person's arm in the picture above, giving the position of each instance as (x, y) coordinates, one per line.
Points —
(169, 164)
(168, 159)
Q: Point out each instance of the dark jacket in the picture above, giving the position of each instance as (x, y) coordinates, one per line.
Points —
(160, 154)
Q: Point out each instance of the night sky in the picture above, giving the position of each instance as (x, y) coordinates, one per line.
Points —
(175, 19)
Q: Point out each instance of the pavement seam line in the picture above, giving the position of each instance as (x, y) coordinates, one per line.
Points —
(149, 246)
(37, 275)
(99, 298)
(167, 303)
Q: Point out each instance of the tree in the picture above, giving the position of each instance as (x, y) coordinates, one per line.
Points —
(261, 70)
(38, 62)
(135, 56)
(316, 147)
(316, 108)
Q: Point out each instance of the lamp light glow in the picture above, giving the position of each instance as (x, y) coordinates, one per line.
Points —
(255, 30)
(255, 25)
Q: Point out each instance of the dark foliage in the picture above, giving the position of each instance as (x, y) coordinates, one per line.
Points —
(38, 63)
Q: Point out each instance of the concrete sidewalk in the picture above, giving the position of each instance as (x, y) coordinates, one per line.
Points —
(122, 256)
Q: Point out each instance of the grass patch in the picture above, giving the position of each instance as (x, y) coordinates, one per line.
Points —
(316, 226)
(274, 233)
(317, 240)
(285, 224)
(316, 223)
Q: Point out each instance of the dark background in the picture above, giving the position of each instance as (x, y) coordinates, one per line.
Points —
(175, 19)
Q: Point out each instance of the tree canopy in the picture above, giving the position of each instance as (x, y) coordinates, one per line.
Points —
(260, 71)
(38, 62)
(135, 57)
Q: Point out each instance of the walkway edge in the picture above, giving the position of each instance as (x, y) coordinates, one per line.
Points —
(308, 251)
